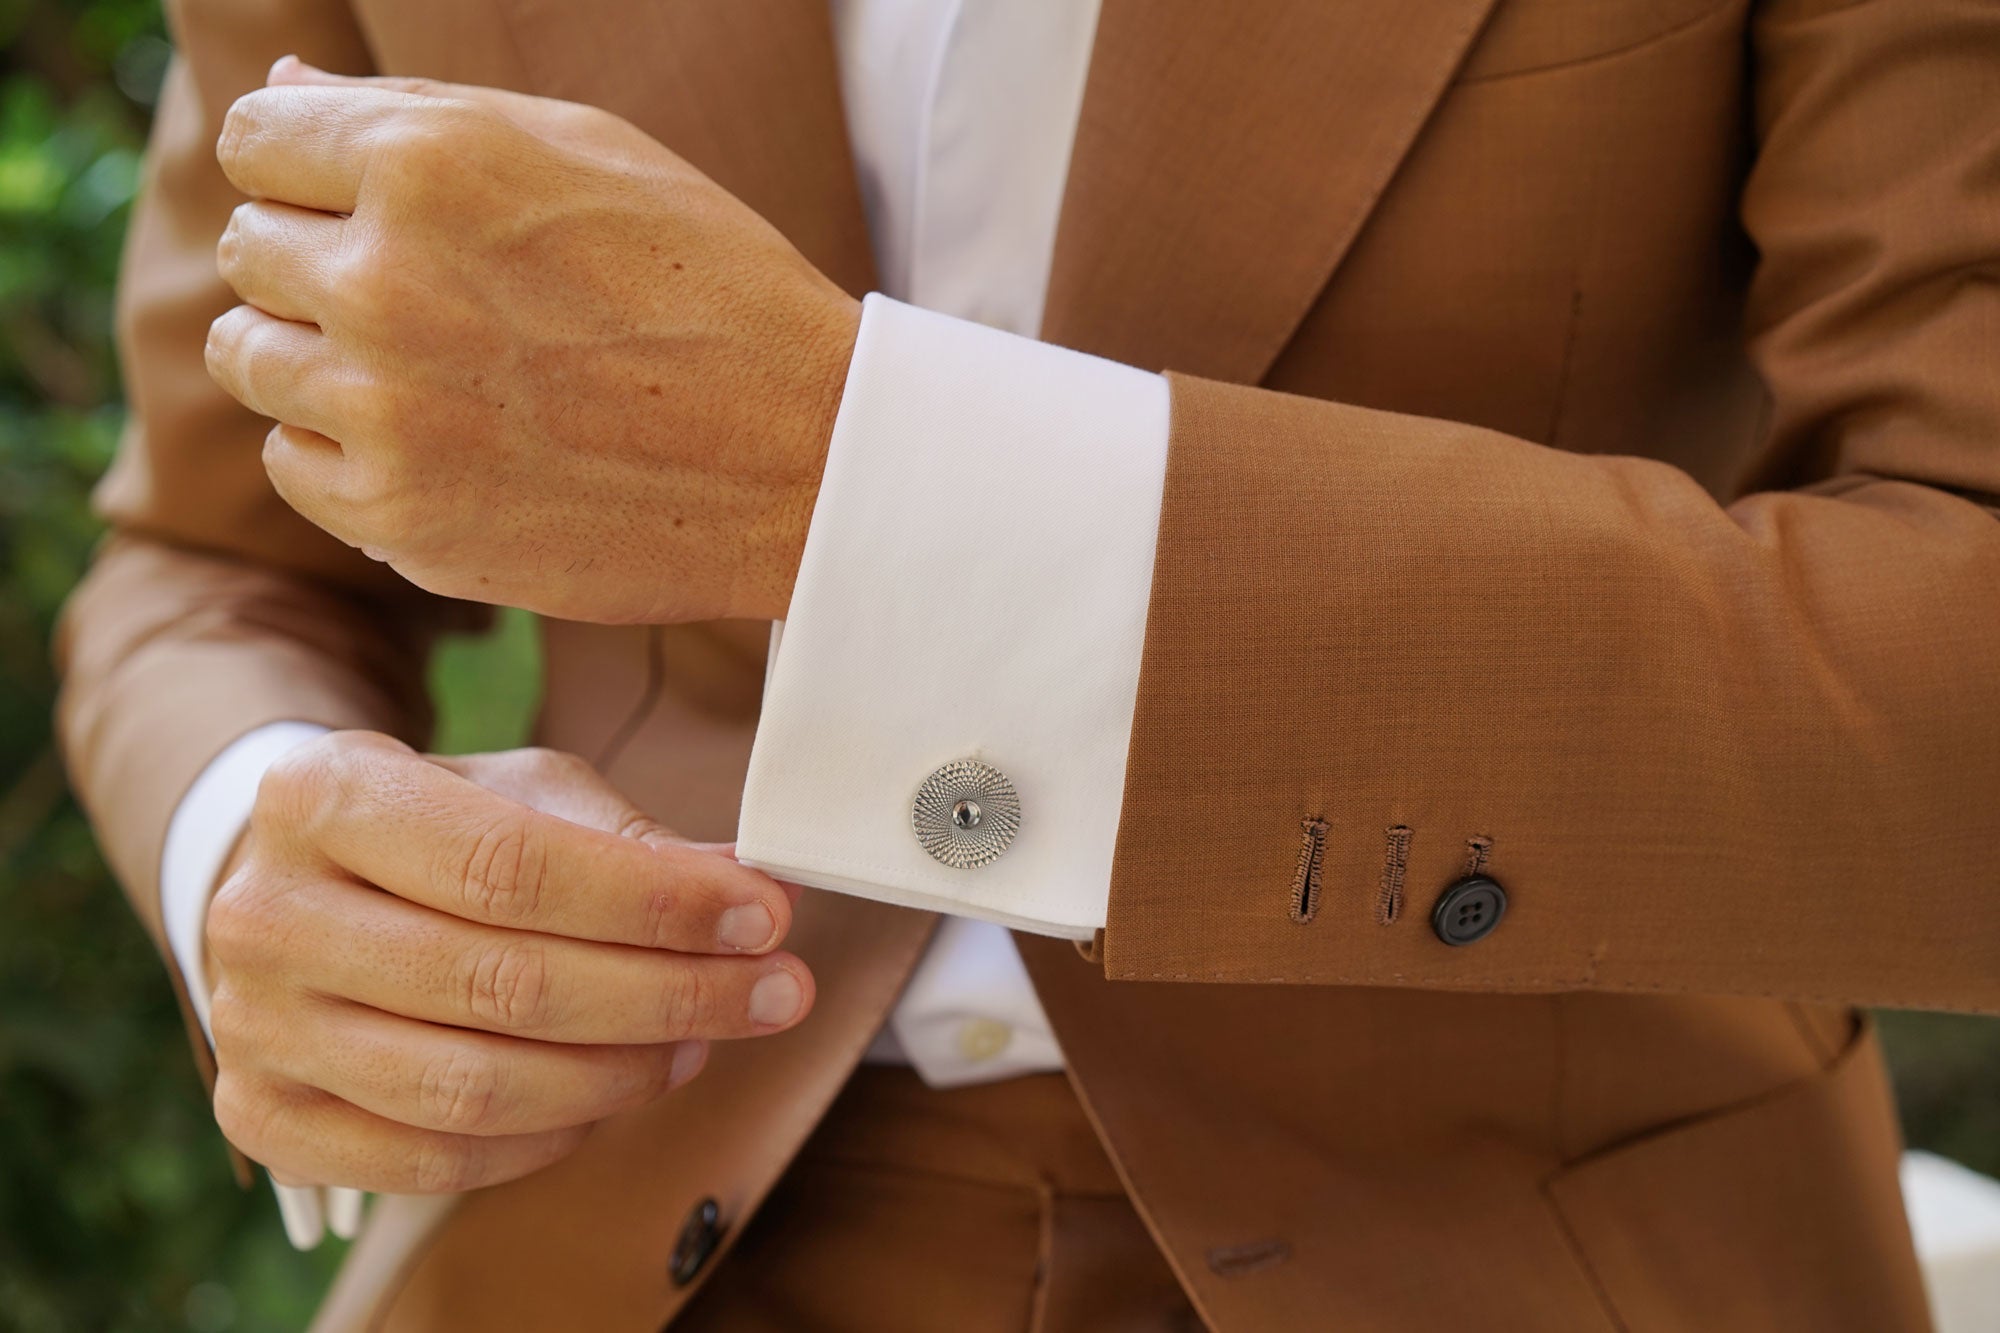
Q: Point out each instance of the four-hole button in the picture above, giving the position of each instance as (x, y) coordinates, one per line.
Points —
(1469, 910)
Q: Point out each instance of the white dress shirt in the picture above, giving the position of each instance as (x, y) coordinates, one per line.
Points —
(975, 582)
(976, 578)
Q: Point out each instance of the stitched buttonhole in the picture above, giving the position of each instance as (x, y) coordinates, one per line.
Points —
(1305, 879)
(1395, 866)
(1236, 1260)
(1477, 848)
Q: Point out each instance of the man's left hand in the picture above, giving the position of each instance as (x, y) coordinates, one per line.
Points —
(522, 352)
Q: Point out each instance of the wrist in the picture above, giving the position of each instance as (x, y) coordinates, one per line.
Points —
(813, 394)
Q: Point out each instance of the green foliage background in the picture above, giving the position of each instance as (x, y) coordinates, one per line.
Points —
(117, 1210)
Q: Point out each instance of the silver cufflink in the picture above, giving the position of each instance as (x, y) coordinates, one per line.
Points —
(966, 814)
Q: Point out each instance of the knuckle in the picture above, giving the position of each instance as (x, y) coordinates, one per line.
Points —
(354, 753)
(464, 118)
(441, 1164)
(242, 925)
(554, 763)
(684, 1002)
(248, 340)
(237, 126)
(642, 827)
(299, 769)
(385, 526)
(504, 872)
(229, 1024)
(324, 779)
(276, 456)
(371, 286)
(460, 1091)
(350, 763)
(657, 1077)
(232, 1106)
(636, 1078)
(373, 497)
(307, 768)
(246, 1113)
(226, 928)
(508, 986)
(227, 337)
(299, 790)
(229, 247)
(430, 139)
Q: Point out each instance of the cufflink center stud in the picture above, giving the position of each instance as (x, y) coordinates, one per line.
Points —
(966, 814)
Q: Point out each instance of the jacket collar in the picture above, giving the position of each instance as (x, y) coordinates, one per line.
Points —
(1226, 159)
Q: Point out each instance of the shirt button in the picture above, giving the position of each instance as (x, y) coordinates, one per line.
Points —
(980, 1039)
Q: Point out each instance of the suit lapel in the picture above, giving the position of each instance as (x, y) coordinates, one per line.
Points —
(1227, 157)
(746, 90)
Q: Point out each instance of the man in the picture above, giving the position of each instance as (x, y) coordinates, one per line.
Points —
(1483, 720)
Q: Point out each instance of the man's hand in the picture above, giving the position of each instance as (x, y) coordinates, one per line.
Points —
(431, 975)
(523, 352)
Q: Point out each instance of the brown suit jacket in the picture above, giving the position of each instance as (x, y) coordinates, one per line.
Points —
(1585, 444)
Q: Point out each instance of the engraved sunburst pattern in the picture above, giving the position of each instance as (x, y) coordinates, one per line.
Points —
(966, 814)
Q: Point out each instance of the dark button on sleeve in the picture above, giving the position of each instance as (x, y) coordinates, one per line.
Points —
(1468, 911)
(700, 1234)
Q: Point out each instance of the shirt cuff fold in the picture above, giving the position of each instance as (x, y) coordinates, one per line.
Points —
(974, 588)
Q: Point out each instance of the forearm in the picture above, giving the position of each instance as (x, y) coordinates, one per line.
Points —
(1746, 746)
(1383, 653)
(1743, 744)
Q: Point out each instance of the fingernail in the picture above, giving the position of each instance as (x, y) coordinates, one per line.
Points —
(775, 1000)
(688, 1059)
(749, 927)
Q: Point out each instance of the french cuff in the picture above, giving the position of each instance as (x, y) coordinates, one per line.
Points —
(949, 701)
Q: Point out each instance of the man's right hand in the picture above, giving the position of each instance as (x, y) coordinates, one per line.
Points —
(435, 974)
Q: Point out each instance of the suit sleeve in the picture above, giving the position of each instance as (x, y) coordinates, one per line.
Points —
(1750, 748)
(212, 608)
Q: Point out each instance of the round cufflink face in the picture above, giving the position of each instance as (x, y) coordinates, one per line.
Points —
(966, 814)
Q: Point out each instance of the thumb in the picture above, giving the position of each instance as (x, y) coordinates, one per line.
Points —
(566, 124)
(290, 71)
